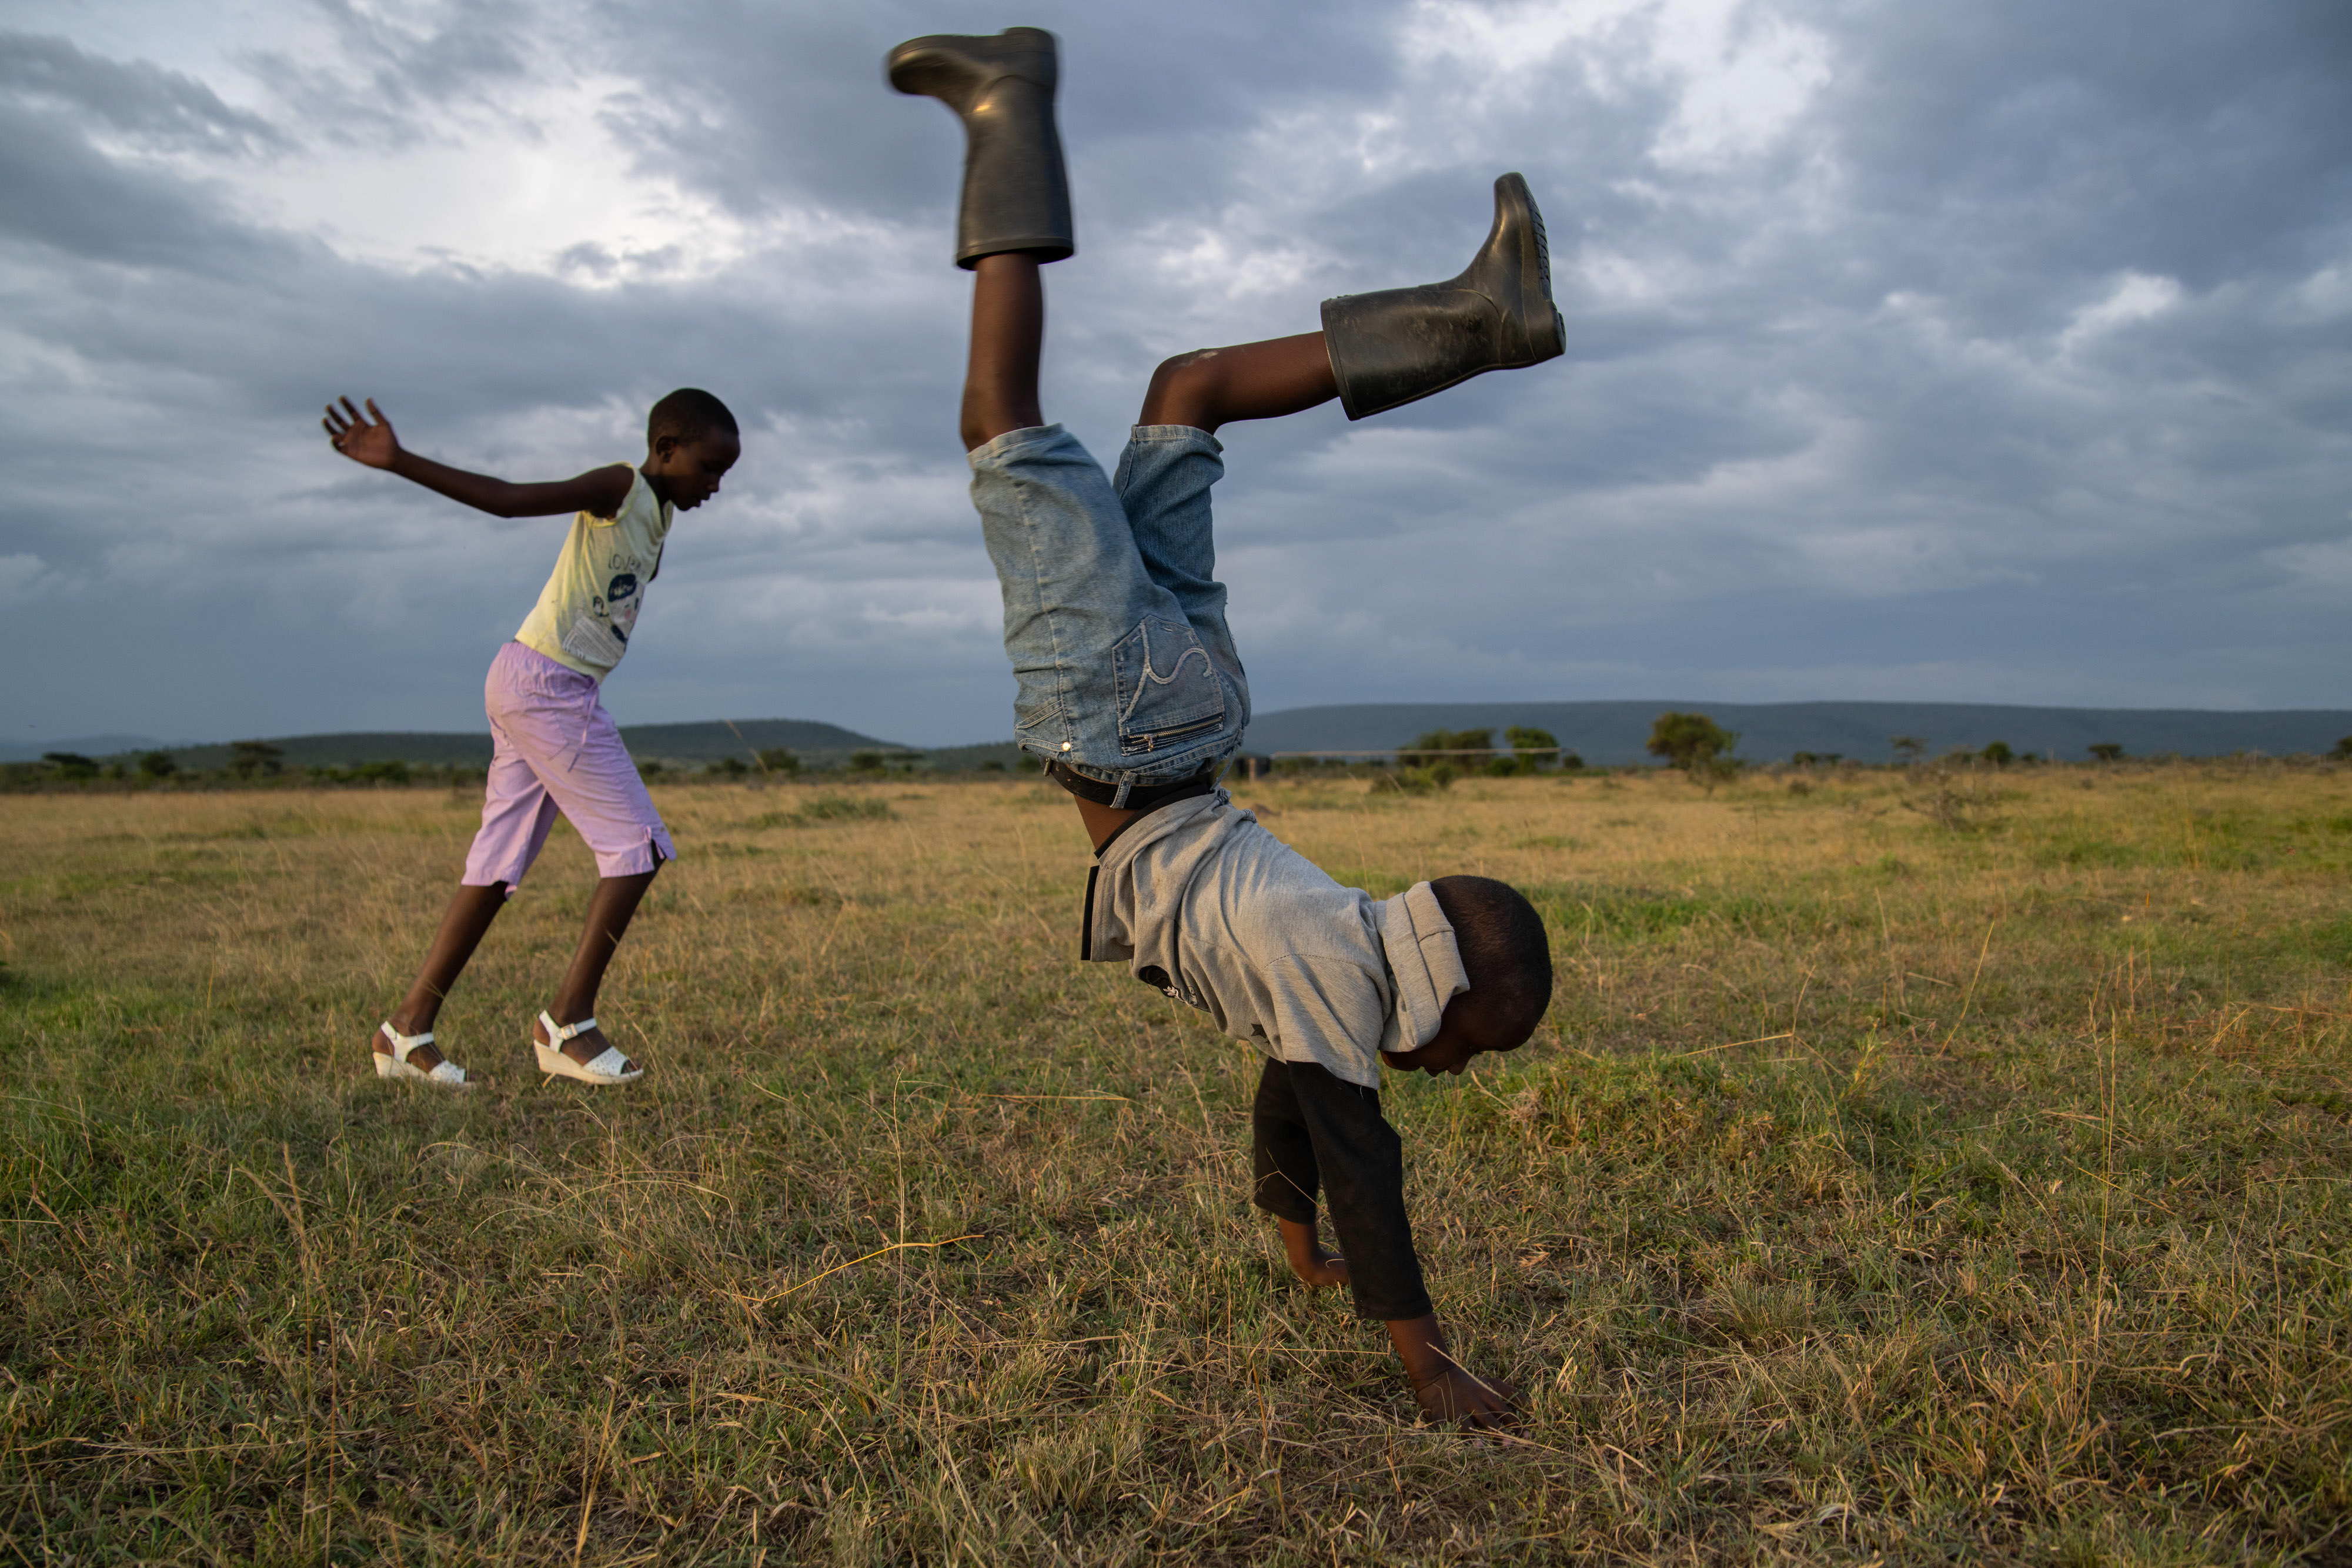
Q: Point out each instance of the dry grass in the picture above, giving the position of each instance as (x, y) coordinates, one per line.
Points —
(1877, 1190)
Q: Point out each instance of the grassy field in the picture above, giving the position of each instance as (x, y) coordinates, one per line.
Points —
(1963, 1184)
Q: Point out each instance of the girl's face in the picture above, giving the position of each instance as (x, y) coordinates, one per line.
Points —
(686, 472)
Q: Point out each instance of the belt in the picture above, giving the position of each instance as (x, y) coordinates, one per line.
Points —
(1132, 797)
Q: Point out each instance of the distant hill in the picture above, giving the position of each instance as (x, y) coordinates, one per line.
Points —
(805, 738)
(1611, 734)
(1606, 734)
(84, 744)
(675, 744)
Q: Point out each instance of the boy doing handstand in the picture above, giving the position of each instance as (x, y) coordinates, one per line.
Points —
(1131, 692)
(555, 750)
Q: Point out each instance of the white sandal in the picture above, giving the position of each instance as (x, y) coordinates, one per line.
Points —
(611, 1067)
(394, 1063)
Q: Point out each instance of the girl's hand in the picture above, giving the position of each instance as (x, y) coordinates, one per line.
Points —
(354, 435)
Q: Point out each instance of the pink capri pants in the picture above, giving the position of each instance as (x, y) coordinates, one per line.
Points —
(557, 750)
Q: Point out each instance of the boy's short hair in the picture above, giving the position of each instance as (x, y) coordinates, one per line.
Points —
(1505, 951)
(688, 413)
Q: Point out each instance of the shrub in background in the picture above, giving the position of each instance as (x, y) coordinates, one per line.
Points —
(256, 758)
(1438, 775)
(1691, 741)
(1532, 749)
(1430, 748)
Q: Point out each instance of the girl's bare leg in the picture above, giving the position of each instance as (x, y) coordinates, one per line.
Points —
(462, 926)
(609, 913)
(1210, 387)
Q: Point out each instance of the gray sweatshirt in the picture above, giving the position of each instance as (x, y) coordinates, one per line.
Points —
(1198, 900)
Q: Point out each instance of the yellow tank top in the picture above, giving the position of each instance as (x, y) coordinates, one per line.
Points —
(589, 608)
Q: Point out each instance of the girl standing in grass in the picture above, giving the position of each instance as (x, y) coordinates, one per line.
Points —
(555, 750)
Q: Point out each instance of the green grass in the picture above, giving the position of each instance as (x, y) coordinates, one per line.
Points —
(825, 808)
(1876, 1190)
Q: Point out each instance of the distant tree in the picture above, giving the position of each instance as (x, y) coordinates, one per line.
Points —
(778, 759)
(71, 764)
(2342, 752)
(728, 768)
(1691, 741)
(1999, 754)
(865, 762)
(1908, 748)
(1532, 748)
(2107, 751)
(254, 756)
(992, 765)
(1429, 748)
(651, 769)
(157, 765)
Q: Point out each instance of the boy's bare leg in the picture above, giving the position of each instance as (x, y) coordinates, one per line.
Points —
(1210, 387)
(1008, 334)
(1447, 1391)
(463, 924)
(609, 913)
(1307, 1260)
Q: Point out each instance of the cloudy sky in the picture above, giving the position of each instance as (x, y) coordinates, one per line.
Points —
(1992, 352)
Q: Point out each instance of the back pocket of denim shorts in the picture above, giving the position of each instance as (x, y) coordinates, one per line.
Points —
(1169, 694)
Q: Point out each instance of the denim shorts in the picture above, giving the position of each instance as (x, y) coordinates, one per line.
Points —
(1113, 618)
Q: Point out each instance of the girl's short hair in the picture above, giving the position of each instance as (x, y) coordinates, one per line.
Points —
(688, 414)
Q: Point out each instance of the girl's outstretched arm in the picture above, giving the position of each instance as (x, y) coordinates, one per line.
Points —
(367, 438)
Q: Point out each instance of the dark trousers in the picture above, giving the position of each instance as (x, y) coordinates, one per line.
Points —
(1314, 1132)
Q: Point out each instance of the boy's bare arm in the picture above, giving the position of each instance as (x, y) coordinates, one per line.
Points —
(367, 438)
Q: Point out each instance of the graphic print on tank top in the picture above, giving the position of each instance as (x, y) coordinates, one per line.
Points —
(600, 634)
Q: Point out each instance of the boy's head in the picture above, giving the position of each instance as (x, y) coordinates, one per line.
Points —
(1508, 960)
(691, 440)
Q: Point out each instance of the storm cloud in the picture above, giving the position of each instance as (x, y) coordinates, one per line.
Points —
(1979, 353)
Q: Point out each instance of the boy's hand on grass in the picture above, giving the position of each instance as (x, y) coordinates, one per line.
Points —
(1446, 1390)
(358, 437)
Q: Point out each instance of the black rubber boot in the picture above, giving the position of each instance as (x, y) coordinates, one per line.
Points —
(1401, 344)
(1016, 195)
